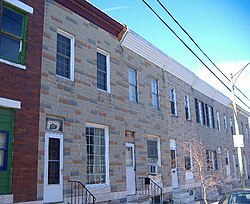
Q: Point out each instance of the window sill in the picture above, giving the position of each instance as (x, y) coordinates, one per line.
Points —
(20, 66)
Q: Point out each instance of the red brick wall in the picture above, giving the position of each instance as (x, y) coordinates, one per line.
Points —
(24, 85)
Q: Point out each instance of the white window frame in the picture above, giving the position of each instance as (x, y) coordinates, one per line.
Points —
(187, 105)
(108, 69)
(200, 103)
(134, 85)
(218, 120)
(210, 116)
(231, 124)
(158, 163)
(106, 130)
(246, 130)
(72, 54)
(156, 94)
(225, 122)
(172, 100)
(20, 5)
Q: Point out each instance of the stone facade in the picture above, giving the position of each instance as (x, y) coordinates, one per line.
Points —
(79, 103)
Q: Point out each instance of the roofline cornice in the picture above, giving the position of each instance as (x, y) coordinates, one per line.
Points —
(86, 10)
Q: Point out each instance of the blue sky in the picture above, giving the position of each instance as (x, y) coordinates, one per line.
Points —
(220, 27)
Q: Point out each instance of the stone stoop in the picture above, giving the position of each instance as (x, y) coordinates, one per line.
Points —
(6, 199)
(138, 199)
(183, 198)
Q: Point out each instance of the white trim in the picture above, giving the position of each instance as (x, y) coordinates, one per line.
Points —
(106, 128)
(13, 64)
(20, 5)
(174, 100)
(72, 54)
(108, 68)
(145, 49)
(8, 103)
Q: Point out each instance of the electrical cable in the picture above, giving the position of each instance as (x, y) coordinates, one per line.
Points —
(198, 46)
(191, 50)
(184, 43)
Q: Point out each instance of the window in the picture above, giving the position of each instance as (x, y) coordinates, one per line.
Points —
(214, 160)
(242, 128)
(172, 97)
(209, 116)
(13, 34)
(155, 93)
(153, 146)
(187, 107)
(187, 163)
(103, 70)
(200, 112)
(218, 119)
(132, 80)
(231, 125)
(225, 122)
(97, 159)
(247, 132)
(3, 150)
(65, 55)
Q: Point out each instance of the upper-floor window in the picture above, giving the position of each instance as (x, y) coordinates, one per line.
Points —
(187, 107)
(65, 55)
(153, 146)
(209, 116)
(155, 93)
(247, 132)
(103, 70)
(172, 97)
(231, 125)
(218, 119)
(132, 80)
(13, 23)
(200, 112)
(97, 154)
(242, 128)
(225, 122)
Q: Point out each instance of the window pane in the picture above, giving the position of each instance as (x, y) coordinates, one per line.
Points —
(9, 47)
(132, 93)
(132, 76)
(101, 80)
(1, 158)
(53, 172)
(154, 86)
(2, 140)
(54, 161)
(63, 56)
(101, 71)
(101, 62)
(12, 22)
(96, 167)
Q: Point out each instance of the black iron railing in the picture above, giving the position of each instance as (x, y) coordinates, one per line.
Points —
(152, 189)
(79, 194)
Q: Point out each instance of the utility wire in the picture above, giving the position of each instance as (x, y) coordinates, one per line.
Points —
(198, 46)
(189, 48)
(184, 43)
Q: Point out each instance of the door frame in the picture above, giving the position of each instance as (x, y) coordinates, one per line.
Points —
(48, 195)
(174, 172)
(132, 191)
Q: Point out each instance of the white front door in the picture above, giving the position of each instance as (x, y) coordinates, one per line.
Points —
(53, 168)
(228, 163)
(130, 168)
(245, 165)
(173, 164)
(234, 163)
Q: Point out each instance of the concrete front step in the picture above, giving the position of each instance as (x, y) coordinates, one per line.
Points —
(183, 198)
(138, 199)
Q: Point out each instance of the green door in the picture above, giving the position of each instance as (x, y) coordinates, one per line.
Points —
(6, 132)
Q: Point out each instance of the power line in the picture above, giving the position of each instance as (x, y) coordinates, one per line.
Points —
(190, 49)
(184, 43)
(198, 46)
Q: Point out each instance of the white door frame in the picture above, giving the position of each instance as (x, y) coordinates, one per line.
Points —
(53, 192)
(130, 171)
(175, 183)
(245, 165)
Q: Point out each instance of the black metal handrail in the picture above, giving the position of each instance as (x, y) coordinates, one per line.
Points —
(152, 189)
(79, 194)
